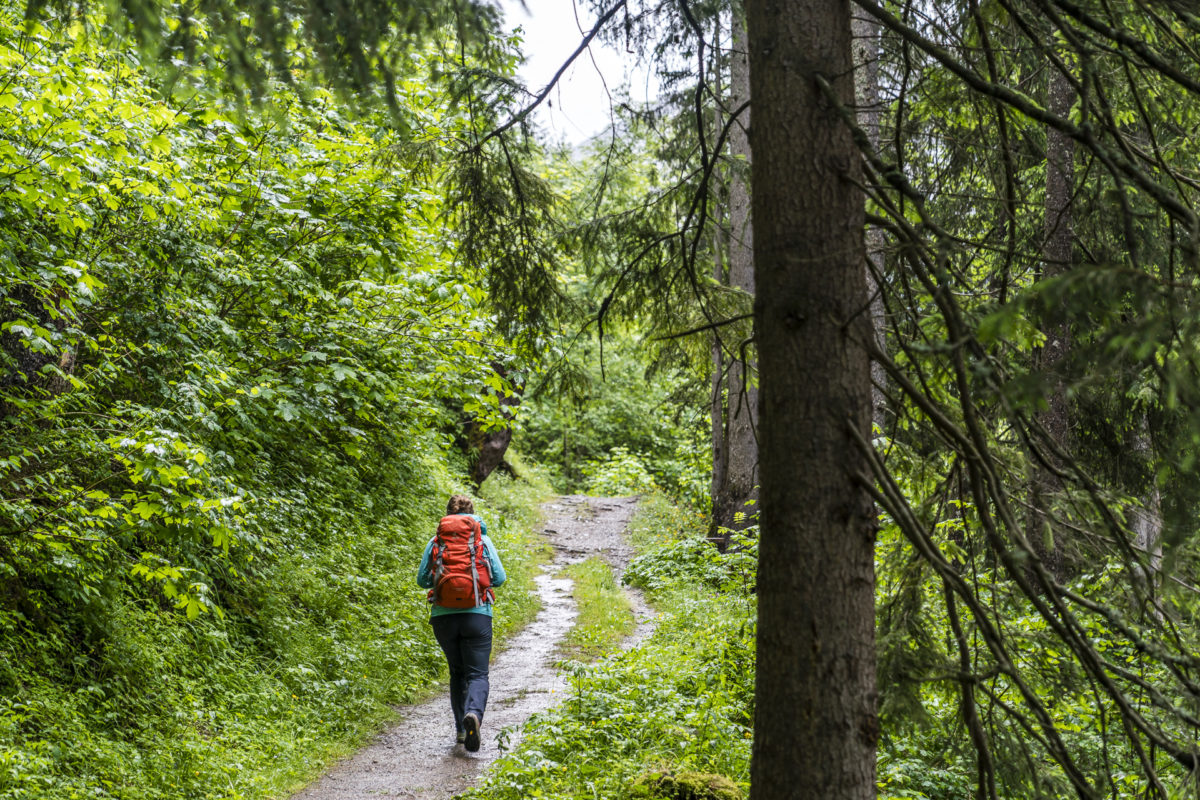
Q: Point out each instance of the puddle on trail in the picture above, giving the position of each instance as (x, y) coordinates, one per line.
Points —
(417, 758)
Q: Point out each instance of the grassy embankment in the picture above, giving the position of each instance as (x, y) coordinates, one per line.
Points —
(309, 658)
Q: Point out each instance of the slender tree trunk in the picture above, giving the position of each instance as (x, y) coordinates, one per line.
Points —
(720, 443)
(1056, 251)
(815, 721)
(865, 32)
(741, 396)
(719, 450)
(1147, 520)
(1059, 242)
(26, 376)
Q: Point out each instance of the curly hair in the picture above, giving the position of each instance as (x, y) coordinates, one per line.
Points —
(460, 504)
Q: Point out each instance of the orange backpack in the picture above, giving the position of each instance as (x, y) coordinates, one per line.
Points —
(462, 577)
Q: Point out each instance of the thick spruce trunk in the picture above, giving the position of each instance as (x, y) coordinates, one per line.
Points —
(815, 720)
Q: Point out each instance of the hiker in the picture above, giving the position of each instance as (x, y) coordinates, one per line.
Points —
(460, 597)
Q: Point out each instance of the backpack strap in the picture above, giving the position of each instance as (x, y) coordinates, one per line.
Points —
(439, 566)
(480, 558)
(475, 549)
(488, 594)
(441, 552)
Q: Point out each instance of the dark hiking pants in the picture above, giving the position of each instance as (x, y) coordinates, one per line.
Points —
(466, 639)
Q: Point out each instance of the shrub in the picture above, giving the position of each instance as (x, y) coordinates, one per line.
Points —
(619, 473)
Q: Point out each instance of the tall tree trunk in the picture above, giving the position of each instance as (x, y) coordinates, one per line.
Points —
(740, 489)
(865, 32)
(720, 443)
(1147, 520)
(815, 721)
(1056, 252)
(720, 448)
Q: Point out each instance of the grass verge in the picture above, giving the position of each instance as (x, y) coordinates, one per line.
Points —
(605, 612)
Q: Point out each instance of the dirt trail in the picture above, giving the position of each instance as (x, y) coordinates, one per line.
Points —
(417, 758)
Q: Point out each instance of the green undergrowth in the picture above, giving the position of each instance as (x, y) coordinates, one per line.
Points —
(605, 611)
(235, 352)
(679, 704)
(306, 662)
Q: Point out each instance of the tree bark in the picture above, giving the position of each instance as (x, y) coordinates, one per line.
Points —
(1056, 257)
(32, 304)
(1147, 519)
(720, 443)
(739, 491)
(720, 450)
(815, 721)
(865, 32)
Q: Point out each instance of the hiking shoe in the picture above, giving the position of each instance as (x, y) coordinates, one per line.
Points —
(460, 737)
(471, 728)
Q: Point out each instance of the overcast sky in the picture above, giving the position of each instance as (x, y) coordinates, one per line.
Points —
(579, 106)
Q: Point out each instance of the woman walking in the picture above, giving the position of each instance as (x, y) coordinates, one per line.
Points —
(459, 568)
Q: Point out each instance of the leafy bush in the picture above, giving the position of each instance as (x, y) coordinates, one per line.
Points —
(915, 766)
(679, 553)
(227, 346)
(627, 427)
(694, 560)
(620, 472)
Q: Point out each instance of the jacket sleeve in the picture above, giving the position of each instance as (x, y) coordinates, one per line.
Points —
(425, 571)
(499, 576)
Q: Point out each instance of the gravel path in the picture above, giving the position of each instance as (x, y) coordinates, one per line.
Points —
(417, 758)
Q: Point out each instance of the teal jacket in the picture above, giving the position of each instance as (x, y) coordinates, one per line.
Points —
(425, 575)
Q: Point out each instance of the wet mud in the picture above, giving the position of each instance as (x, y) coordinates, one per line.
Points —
(417, 758)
